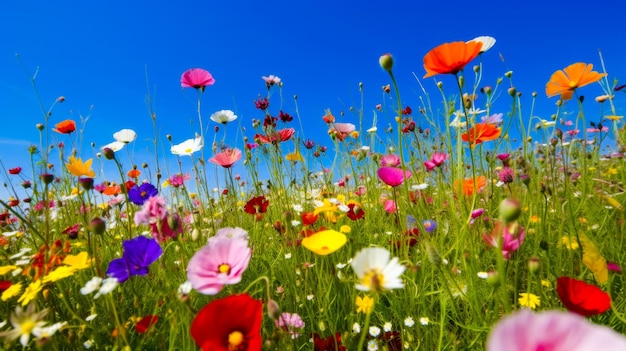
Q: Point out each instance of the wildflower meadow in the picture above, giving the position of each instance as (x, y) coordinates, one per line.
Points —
(443, 223)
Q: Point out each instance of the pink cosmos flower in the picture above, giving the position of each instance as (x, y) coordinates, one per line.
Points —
(230, 233)
(390, 206)
(512, 238)
(226, 158)
(393, 176)
(436, 160)
(196, 78)
(222, 261)
(552, 331)
(291, 323)
(153, 210)
(345, 128)
(390, 160)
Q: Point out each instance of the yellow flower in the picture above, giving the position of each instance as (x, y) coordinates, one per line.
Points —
(328, 209)
(613, 117)
(571, 244)
(529, 300)
(534, 219)
(546, 283)
(59, 273)
(325, 242)
(165, 184)
(611, 171)
(294, 156)
(80, 169)
(78, 262)
(364, 304)
(30, 293)
(6, 269)
(345, 229)
(12, 291)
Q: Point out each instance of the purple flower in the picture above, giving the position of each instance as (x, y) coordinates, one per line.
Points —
(139, 194)
(139, 254)
(222, 261)
(506, 175)
(429, 225)
(552, 331)
(393, 176)
(496, 119)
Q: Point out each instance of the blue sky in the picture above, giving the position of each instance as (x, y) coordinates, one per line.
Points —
(96, 54)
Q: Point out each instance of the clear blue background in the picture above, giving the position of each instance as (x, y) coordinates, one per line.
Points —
(96, 54)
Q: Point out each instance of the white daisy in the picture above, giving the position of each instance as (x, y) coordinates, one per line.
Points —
(187, 147)
(375, 270)
(223, 116)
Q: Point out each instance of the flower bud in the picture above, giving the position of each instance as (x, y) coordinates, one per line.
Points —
(510, 210)
(386, 62)
(109, 154)
(97, 226)
(39, 126)
(512, 91)
(47, 178)
(273, 310)
(508, 74)
(533, 264)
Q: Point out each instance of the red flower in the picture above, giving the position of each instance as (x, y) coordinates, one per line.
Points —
(5, 284)
(256, 205)
(309, 218)
(277, 137)
(450, 57)
(262, 104)
(145, 323)
(15, 170)
(196, 78)
(331, 343)
(230, 323)
(582, 298)
(481, 132)
(355, 212)
(65, 127)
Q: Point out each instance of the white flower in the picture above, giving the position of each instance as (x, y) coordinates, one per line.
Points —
(375, 270)
(187, 147)
(297, 207)
(372, 130)
(108, 285)
(409, 322)
(271, 79)
(91, 286)
(459, 120)
(424, 321)
(184, 289)
(125, 136)
(295, 223)
(288, 255)
(356, 328)
(374, 331)
(482, 275)
(372, 345)
(91, 317)
(387, 327)
(23, 323)
(310, 297)
(487, 41)
(21, 253)
(88, 344)
(48, 331)
(419, 186)
(223, 116)
(115, 146)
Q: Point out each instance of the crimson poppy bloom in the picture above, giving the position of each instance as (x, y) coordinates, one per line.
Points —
(145, 323)
(450, 57)
(582, 298)
(257, 206)
(230, 323)
(196, 78)
(355, 212)
(309, 218)
(481, 132)
(65, 127)
(331, 343)
(15, 170)
(5, 284)
(276, 137)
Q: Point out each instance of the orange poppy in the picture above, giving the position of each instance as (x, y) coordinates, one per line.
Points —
(571, 78)
(65, 127)
(133, 173)
(467, 187)
(481, 132)
(112, 190)
(450, 57)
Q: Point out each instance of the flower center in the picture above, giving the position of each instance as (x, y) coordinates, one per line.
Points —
(224, 268)
(373, 279)
(235, 341)
(573, 84)
(27, 327)
(188, 150)
(143, 194)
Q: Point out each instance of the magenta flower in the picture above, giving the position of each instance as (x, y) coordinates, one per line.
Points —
(154, 210)
(222, 261)
(614, 267)
(196, 78)
(512, 238)
(226, 158)
(390, 206)
(393, 176)
(179, 179)
(291, 323)
(390, 160)
(436, 160)
(552, 331)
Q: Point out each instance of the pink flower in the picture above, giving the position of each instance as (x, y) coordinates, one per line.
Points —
(393, 176)
(436, 160)
(391, 160)
(230, 233)
(345, 128)
(226, 158)
(390, 206)
(222, 261)
(552, 331)
(271, 80)
(196, 78)
(291, 323)
(153, 210)
(512, 238)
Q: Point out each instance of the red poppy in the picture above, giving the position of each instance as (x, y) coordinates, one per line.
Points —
(582, 298)
(256, 205)
(112, 190)
(65, 127)
(230, 323)
(145, 323)
(276, 137)
(331, 343)
(481, 132)
(15, 170)
(309, 218)
(133, 173)
(450, 57)
(5, 284)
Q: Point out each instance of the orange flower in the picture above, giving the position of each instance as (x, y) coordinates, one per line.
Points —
(468, 185)
(112, 190)
(571, 78)
(133, 173)
(481, 132)
(65, 127)
(450, 57)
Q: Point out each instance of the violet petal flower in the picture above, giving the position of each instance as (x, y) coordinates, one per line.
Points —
(139, 194)
(139, 254)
